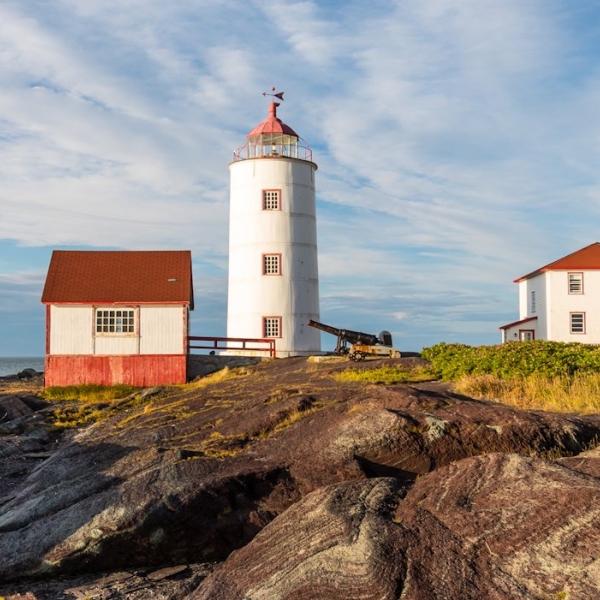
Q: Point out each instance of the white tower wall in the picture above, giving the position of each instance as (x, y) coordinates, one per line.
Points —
(291, 233)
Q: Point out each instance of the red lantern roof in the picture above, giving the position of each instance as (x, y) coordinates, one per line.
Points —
(272, 124)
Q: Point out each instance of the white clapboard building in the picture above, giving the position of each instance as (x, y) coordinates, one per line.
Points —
(117, 317)
(560, 301)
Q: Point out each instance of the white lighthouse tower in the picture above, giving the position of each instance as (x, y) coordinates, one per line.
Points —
(273, 269)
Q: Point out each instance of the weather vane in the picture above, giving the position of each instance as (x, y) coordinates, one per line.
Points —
(271, 93)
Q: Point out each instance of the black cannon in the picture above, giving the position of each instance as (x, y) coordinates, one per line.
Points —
(361, 344)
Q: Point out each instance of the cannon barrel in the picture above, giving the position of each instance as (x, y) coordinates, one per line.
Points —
(354, 337)
(323, 327)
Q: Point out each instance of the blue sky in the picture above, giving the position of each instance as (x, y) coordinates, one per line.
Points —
(458, 147)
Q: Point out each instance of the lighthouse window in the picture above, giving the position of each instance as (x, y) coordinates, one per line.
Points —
(115, 321)
(271, 264)
(272, 327)
(271, 200)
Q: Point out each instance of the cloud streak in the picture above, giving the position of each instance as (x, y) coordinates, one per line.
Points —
(457, 144)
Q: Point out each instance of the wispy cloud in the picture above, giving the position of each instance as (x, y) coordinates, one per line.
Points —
(457, 143)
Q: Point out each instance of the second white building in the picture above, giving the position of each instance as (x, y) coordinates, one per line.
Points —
(560, 301)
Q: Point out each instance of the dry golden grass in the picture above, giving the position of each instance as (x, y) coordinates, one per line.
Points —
(89, 392)
(217, 377)
(294, 416)
(577, 394)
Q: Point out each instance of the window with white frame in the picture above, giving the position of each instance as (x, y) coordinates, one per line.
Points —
(575, 283)
(272, 327)
(577, 322)
(532, 302)
(271, 264)
(115, 321)
(271, 199)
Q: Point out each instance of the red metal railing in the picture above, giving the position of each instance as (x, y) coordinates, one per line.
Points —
(269, 342)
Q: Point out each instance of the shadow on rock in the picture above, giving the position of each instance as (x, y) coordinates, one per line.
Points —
(52, 519)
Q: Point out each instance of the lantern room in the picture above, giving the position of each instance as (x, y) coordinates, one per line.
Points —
(273, 138)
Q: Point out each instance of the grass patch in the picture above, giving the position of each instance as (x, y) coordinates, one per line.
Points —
(217, 377)
(217, 445)
(385, 375)
(579, 393)
(292, 417)
(360, 407)
(89, 392)
(80, 415)
(82, 405)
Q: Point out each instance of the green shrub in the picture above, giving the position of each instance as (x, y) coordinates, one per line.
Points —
(516, 359)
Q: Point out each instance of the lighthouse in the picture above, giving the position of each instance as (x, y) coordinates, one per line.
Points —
(273, 267)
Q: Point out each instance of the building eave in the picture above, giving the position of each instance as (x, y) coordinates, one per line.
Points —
(527, 320)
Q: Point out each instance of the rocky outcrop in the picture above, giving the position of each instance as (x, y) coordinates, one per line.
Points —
(189, 475)
(167, 583)
(497, 526)
(338, 542)
(25, 439)
(201, 365)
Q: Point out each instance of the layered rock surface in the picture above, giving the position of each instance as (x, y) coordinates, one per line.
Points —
(188, 475)
(496, 526)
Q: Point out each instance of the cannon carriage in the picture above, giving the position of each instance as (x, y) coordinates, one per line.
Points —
(357, 345)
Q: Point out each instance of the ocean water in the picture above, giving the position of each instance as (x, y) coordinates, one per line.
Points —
(11, 365)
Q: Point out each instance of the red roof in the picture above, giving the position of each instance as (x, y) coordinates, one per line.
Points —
(586, 259)
(78, 276)
(272, 124)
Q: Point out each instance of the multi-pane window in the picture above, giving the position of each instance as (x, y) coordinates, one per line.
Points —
(272, 327)
(575, 283)
(271, 200)
(532, 302)
(115, 320)
(577, 322)
(271, 264)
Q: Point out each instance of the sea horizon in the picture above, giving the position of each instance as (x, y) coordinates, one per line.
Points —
(11, 365)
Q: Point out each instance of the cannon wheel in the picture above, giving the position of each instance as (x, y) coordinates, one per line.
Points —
(356, 356)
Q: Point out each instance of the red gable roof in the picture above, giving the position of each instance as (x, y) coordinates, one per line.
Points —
(586, 259)
(78, 276)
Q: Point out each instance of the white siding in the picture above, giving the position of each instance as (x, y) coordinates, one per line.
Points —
(291, 232)
(162, 330)
(564, 303)
(539, 285)
(513, 334)
(116, 345)
(71, 330)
